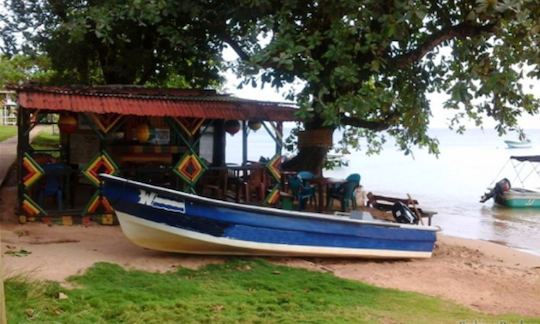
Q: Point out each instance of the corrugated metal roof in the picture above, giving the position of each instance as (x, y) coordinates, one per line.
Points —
(139, 101)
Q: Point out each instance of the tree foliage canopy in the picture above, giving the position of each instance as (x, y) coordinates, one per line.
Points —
(21, 68)
(366, 66)
(118, 41)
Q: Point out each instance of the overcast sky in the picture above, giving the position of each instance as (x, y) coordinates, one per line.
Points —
(440, 117)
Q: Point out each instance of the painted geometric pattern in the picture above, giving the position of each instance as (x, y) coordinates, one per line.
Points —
(33, 171)
(97, 202)
(273, 197)
(274, 167)
(190, 168)
(105, 122)
(190, 125)
(104, 219)
(30, 208)
(102, 163)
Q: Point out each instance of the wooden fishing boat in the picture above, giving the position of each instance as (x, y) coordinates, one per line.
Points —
(518, 144)
(505, 195)
(168, 220)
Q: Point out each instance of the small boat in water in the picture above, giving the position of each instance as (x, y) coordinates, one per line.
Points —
(518, 144)
(505, 195)
(168, 220)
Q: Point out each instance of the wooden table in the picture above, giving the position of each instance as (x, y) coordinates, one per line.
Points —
(322, 184)
(237, 172)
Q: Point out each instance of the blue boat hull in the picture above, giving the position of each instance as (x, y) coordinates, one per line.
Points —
(167, 220)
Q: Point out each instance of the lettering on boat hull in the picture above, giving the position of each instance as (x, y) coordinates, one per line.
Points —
(152, 199)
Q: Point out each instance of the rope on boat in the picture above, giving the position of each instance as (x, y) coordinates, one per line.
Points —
(498, 174)
(518, 172)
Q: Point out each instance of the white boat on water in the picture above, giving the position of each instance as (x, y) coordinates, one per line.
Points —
(518, 144)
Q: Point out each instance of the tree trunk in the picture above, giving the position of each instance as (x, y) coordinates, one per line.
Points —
(308, 159)
(313, 145)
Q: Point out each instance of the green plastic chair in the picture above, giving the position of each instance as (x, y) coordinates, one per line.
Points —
(301, 192)
(344, 192)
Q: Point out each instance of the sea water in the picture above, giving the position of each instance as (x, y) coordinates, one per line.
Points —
(450, 184)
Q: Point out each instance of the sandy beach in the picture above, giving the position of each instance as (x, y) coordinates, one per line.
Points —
(481, 275)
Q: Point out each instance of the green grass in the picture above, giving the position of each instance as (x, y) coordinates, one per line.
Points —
(238, 291)
(46, 139)
(7, 132)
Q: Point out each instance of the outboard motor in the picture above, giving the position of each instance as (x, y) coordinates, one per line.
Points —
(402, 214)
(500, 188)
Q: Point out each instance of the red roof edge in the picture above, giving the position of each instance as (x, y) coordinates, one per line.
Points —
(141, 101)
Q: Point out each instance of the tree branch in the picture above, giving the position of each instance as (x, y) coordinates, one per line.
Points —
(459, 31)
(244, 56)
(376, 125)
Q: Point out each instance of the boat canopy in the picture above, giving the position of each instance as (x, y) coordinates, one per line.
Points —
(527, 158)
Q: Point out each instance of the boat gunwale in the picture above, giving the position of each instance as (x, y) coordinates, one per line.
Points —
(270, 210)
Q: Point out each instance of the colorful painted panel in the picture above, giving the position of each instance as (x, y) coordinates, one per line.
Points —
(274, 167)
(31, 208)
(273, 197)
(105, 122)
(98, 203)
(102, 163)
(190, 125)
(33, 172)
(190, 168)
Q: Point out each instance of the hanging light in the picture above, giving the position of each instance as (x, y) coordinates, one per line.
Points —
(67, 124)
(232, 126)
(142, 133)
(254, 125)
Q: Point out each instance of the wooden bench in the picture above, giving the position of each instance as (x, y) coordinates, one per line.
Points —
(385, 203)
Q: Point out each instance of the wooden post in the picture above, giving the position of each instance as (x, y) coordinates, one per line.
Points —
(416, 211)
(3, 312)
(218, 151)
(279, 136)
(244, 142)
(23, 139)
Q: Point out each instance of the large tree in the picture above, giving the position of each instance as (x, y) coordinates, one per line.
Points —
(365, 67)
(117, 41)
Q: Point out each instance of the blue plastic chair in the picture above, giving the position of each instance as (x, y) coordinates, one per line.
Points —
(305, 176)
(301, 192)
(54, 186)
(344, 192)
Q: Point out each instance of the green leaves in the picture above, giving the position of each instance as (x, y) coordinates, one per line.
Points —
(367, 64)
(125, 41)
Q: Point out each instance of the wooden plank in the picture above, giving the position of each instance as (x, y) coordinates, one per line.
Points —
(392, 199)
